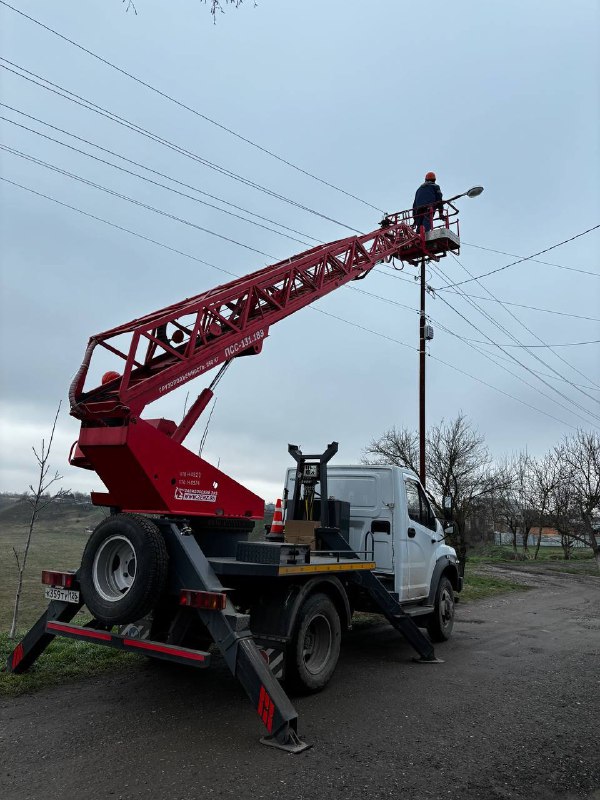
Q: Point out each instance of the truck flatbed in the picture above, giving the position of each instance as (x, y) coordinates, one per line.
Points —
(318, 565)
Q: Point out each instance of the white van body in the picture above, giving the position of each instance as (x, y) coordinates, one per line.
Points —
(407, 542)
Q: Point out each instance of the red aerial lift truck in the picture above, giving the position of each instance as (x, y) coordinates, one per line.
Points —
(171, 571)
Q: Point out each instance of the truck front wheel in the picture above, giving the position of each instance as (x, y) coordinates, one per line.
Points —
(315, 648)
(441, 622)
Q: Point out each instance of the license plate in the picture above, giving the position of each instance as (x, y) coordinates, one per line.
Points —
(66, 595)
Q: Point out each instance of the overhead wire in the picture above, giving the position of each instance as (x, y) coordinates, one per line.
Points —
(321, 311)
(73, 176)
(496, 356)
(527, 346)
(514, 358)
(537, 260)
(90, 106)
(149, 180)
(155, 172)
(520, 260)
(66, 94)
(538, 338)
(528, 307)
(183, 105)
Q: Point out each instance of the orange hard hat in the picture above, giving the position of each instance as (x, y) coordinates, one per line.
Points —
(430, 176)
(109, 376)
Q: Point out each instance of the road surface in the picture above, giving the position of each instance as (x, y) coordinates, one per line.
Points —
(514, 712)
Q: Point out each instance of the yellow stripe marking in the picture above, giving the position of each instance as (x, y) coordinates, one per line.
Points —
(298, 570)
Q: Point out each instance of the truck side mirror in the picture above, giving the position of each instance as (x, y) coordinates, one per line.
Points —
(447, 507)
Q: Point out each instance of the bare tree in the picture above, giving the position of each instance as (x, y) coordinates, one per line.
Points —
(545, 478)
(516, 504)
(580, 457)
(214, 5)
(39, 499)
(457, 463)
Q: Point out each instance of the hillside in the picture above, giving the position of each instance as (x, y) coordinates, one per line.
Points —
(58, 541)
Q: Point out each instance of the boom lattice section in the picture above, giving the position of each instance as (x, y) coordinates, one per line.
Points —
(169, 347)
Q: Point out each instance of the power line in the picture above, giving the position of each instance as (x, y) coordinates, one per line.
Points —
(87, 182)
(144, 178)
(547, 263)
(468, 342)
(514, 358)
(189, 108)
(155, 172)
(119, 227)
(326, 313)
(496, 356)
(541, 341)
(527, 346)
(66, 94)
(529, 308)
(519, 261)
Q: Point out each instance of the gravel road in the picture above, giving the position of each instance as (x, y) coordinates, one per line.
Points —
(514, 712)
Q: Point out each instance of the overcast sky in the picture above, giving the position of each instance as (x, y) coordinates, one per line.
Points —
(366, 95)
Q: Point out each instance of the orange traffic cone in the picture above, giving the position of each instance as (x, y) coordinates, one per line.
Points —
(277, 523)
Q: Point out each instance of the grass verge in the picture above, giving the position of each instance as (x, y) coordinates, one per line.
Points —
(63, 661)
(478, 586)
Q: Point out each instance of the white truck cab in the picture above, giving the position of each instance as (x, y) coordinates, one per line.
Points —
(393, 524)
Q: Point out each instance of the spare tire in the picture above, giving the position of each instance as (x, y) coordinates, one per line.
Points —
(123, 569)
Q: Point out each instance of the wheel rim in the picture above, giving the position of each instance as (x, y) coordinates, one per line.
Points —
(446, 608)
(317, 644)
(113, 570)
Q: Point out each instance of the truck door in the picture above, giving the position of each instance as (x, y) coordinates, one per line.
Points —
(422, 540)
(370, 514)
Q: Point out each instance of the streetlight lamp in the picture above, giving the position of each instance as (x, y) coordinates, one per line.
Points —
(474, 191)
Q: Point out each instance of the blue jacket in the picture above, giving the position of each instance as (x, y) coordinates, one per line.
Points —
(428, 194)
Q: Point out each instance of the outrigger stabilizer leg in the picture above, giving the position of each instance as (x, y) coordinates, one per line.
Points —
(390, 608)
(37, 639)
(231, 633)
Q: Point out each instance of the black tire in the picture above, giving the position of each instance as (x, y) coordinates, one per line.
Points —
(440, 625)
(123, 569)
(315, 647)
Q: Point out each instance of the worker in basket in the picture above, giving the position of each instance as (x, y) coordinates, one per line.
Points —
(428, 200)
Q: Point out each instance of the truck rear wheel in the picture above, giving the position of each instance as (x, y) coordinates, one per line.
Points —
(315, 648)
(441, 622)
(123, 569)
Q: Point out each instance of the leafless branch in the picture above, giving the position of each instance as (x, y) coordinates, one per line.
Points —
(38, 501)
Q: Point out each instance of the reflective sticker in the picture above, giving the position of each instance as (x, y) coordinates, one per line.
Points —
(17, 655)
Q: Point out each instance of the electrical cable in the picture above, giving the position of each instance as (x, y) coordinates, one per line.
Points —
(119, 227)
(321, 311)
(156, 172)
(189, 108)
(529, 308)
(541, 341)
(515, 359)
(90, 106)
(150, 180)
(495, 357)
(520, 260)
(527, 346)
(139, 203)
(537, 260)
(493, 299)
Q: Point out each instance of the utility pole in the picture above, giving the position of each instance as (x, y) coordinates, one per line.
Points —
(422, 378)
(474, 191)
